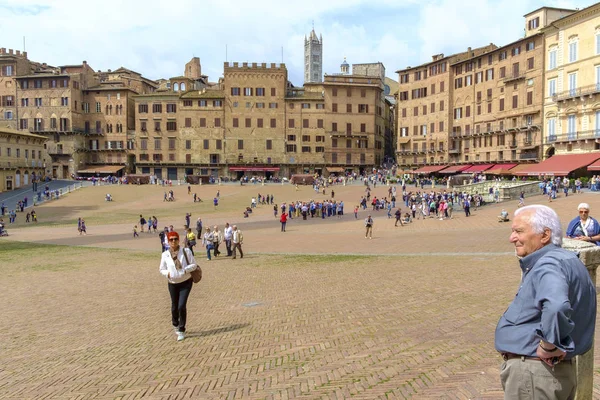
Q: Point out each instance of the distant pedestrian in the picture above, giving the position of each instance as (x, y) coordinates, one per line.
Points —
(369, 227)
(521, 199)
(142, 222)
(207, 241)
(283, 220)
(227, 236)
(238, 240)
(398, 215)
(135, 231)
(199, 228)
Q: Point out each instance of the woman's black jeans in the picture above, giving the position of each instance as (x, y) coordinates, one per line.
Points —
(179, 295)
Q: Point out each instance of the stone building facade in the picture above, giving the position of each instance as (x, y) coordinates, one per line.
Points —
(51, 104)
(13, 63)
(20, 158)
(520, 103)
(571, 106)
(424, 109)
(497, 104)
(253, 122)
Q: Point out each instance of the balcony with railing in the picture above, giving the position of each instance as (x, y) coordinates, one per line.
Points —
(577, 92)
(56, 151)
(528, 156)
(573, 136)
(346, 134)
(21, 164)
(454, 150)
(513, 77)
(42, 130)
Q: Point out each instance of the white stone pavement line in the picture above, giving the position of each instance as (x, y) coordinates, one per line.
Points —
(506, 253)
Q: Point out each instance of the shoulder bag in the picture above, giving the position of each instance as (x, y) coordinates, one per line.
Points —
(197, 273)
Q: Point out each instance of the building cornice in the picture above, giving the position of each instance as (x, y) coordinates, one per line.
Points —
(573, 19)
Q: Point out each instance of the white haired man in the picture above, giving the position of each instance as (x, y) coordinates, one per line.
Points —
(552, 318)
(238, 239)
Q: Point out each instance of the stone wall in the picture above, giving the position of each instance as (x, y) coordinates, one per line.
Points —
(589, 254)
(509, 190)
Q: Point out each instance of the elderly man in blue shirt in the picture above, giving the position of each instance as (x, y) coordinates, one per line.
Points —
(552, 318)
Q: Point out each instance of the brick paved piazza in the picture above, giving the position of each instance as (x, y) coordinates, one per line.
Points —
(316, 313)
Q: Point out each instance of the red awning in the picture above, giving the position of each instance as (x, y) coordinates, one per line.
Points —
(428, 169)
(500, 167)
(255, 169)
(595, 166)
(560, 165)
(455, 168)
(478, 168)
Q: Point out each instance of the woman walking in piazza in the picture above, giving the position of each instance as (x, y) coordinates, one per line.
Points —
(176, 264)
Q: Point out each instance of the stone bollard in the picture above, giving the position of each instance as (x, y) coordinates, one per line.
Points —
(589, 254)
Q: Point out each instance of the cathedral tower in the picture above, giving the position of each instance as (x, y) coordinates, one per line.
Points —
(313, 58)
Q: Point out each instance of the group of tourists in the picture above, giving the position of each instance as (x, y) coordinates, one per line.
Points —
(81, 226)
(551, 186)
(169, 196)
(313, 209)
(595, 183)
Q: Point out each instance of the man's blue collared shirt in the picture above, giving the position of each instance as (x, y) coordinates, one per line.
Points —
(556, 302)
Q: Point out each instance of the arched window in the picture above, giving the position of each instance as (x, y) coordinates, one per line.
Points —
(183, 86)
(176, 87)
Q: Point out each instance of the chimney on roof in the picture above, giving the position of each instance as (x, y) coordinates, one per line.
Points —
(18, 52)
(109, 70)
(10, 51)
(469, 49)
(25, 54)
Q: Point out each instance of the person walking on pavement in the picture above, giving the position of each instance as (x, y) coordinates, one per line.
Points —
(467, 207)
(217, 240)
(227, 235)
(398, 215)
(199, 228)
(207, 241)
(238, 240)
(369, 226)
(176, 264)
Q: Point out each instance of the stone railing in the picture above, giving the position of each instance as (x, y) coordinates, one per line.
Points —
(589, 254)
(55, 194)
(509, 190)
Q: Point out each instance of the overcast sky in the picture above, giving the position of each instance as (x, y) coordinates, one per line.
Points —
(156, 38)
